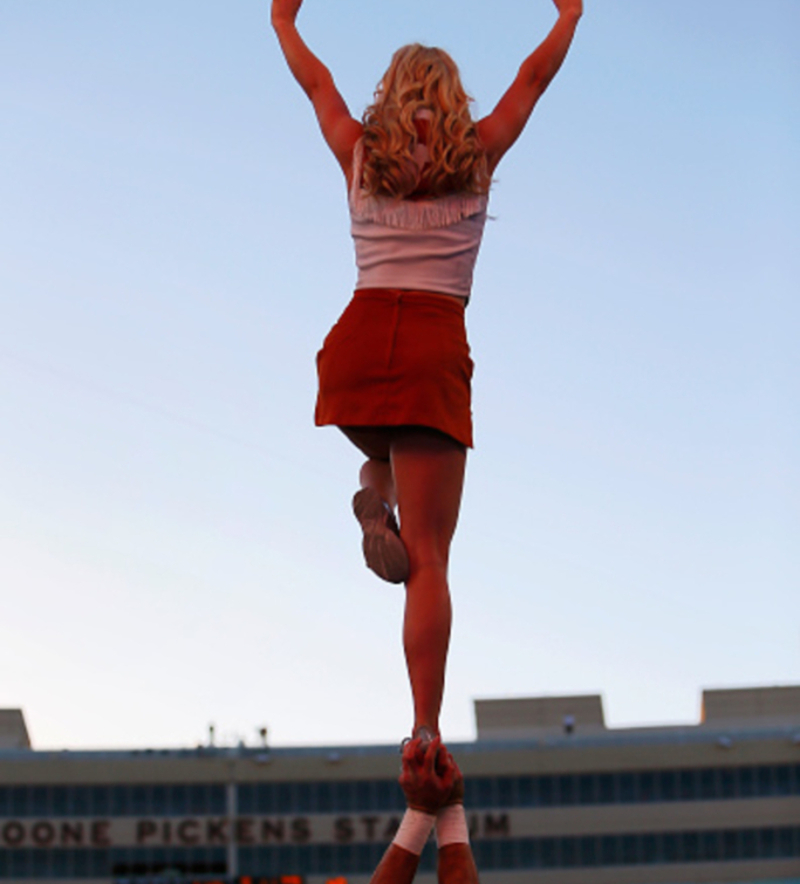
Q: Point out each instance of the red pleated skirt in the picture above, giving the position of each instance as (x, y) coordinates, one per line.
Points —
(397, 358)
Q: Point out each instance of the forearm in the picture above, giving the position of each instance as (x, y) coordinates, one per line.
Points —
(456, 865)
(398, 866)
(543, 63)
(306, 68)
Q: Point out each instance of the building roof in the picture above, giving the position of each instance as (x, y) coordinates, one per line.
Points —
(13, 732)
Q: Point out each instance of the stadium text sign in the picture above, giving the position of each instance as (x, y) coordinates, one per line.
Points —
(212, 831)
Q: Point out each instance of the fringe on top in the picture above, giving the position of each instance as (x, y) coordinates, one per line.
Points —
(422, 214)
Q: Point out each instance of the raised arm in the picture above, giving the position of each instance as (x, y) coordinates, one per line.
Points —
(501, 128)
(339, 129)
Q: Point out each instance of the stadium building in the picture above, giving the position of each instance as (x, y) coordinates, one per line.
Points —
(553, 797)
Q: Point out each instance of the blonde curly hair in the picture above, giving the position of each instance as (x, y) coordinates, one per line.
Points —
(422, 78)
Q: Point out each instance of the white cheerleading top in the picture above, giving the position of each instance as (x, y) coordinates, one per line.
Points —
(428, 245)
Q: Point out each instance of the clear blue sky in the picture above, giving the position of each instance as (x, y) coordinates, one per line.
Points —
(176, 545)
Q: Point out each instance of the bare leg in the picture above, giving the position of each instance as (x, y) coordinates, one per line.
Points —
(377, 474)
(428, 470)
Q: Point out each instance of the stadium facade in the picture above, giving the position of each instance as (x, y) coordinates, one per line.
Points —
(553, 797)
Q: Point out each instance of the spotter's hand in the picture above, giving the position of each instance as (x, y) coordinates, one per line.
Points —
(429, 774)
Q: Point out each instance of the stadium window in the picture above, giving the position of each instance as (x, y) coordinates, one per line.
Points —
(19, 801)
(218, 858)
(158, 800)
(286, 858)
(60, 799)
(304, 802)
(485, 792)
(747, 785)
(258, 861)
(709, 846)
(364, 864)
(100, 863)
(322, 860)
(649, 849)
(730, 845)
(627, 788)
(688, 785)
(708, 783)
(508, 854)
(671, 848)
(647, 786)
(505, 792)
(19, 864)
(566, 789)
(785, 846)
(608, 850)
(245, 798)
(727, 782)
(285, 803)
(547, 790)
(586, 788)
(569, 852)
(101, 800)
(325, 798)
(139, 803)
(5, 801)
(80, 863)
(588, 851)
(606, 788)
(158, 858)
(528, 854)
(427, 862)
(198, 799)
(783, 780)
(525, 794)
(482, 853)
(344, 858)
(768, 844)
(386, 795)
(179, 800)
(344, 796)
(470, 793)
(364, 796)
(630, 850)
(217, 802)
(247, 860)
(549, 853)
(37, 867)
(81, 803)
(667, 781)
(764, 780)
(749, 842)
(691, 846)
(40, 806)
(266, 798)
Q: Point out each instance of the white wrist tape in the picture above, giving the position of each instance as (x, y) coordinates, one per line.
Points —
(451, 826)
(414, 831)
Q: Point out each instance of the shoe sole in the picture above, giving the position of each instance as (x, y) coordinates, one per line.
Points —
(384, 551)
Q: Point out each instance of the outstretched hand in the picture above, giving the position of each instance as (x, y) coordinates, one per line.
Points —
(429, 775)
(285, 10)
